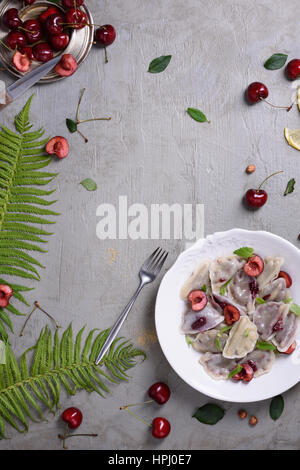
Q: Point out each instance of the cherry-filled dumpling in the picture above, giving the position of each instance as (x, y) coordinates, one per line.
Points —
(286, 334)
(222, 270)
(197, 280)
(275, 291)
(217, 366)
(243, 291)
(194, 322)
(268, 317)
(272, 265)
(260, 361)
(207, 341)
(241, 340)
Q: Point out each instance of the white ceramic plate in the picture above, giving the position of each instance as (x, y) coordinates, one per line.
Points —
(169, 308)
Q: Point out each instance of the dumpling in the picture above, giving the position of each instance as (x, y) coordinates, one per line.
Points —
(241, 340)
(192, 322)
(206, 341)
(196, 280)
(223, 269)
(262, 361)
(267, 315)
(287, 335)
(275, 290)
(240, 290)
(217, 366)
(271, 270)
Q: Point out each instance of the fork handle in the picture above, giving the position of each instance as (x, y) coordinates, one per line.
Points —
(117, 326)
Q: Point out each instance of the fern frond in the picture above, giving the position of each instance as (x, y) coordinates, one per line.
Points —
(59, 363)
(22, 204)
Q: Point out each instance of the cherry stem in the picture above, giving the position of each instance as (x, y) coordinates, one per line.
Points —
(48, 315)
(270, 176)
(5, 45)
(78, 105)
(83, 136)
(288, 108)
(27, 319)
(94, 119)
(106, 56)
(136, 417)
(27, 30)
(135, 404)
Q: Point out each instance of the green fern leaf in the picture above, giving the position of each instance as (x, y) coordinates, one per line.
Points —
(58, 363)
(22, 208)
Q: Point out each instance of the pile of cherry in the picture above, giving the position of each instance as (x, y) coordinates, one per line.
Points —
(38, 38)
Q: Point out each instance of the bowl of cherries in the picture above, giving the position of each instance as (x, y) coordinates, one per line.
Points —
(33, 32)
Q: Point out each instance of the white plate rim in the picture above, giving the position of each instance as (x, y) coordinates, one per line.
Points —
(238, 394)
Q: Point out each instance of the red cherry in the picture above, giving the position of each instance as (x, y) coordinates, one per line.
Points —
(246, 373)
(15, 39)
(35, 28)
(54, 24)
(254, 266)
(28, 51)
(160, 392)
(21, 61)
(50, 11)
(291, 348)
(256, 198)
(198, 300)
(42, 52)
(105, 35)
(76, 18)
(58, 146)
(160, 428)
(70, 3)
(286, 277)
(73, 417)
(231, 314)
(257, 91)
(292, 69)
(67, 66)
(59, 41)
(5, 294)
(11, 19)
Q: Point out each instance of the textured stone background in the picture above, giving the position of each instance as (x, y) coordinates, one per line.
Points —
(153, 152)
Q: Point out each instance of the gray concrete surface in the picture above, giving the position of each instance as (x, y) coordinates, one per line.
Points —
(153, 152)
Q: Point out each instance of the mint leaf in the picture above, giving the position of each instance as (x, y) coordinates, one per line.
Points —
(209, 414)
(235, 371)
(225, 328)
(188, 340)
(223, 287)
(71, 125)
(217, 343)
(290, 187)
(294, 308)
(288, 300)
(203, 288)
(244, 252)
(197, 115)
(159, 64)
(89, 184)
(265, 346)
(276, 407)
(276, 61)
(260, 300)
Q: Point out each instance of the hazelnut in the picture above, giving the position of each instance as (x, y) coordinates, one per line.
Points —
(253, 421)
(250, 169)
(242, 414)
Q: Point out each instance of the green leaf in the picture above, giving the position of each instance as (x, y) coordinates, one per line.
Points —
(223, 287)
(288, 300)
(237, 370)
(188, 340)
(244, 252)
(22, 155)
(276, 61)
(71, 125)
(290, 187)
(159, 64)
(2, 352)
(197, 115)
(209, 413)
(265, 346)
(225, 328)
(260, 300)
(203, 288)
(217, 343)
(89, 184)
(294, 308)
(276, 407)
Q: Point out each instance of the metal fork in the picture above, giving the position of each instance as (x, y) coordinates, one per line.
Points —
(147, 274)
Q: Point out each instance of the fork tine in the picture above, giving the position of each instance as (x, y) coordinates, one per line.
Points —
(156, 260)
(148, 260)
(160, 264)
